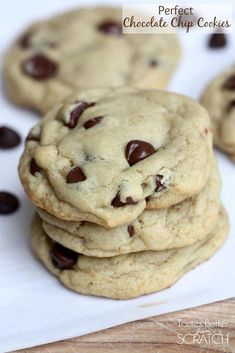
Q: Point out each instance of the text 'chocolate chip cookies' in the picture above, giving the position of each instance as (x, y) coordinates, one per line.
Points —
(150, 149)
(85, 48)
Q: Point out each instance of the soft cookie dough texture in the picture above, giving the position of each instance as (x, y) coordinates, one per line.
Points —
(131, 275)
(177, 226)
(85, 48)
(104, 155)
(219, 99)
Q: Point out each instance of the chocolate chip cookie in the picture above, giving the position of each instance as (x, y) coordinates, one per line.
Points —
(124, 276)
(219, 99)
(180, 225)
(103, 154)
(85, 48)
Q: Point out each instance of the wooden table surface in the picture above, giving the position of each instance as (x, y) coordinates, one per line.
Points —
(177, 332)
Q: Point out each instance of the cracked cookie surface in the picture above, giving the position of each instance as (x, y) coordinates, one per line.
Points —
(147, 144)
(124, 276)
(219, 99)
(85, 48)
(177, 226)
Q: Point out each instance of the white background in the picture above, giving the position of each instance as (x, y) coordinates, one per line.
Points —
(34, 307)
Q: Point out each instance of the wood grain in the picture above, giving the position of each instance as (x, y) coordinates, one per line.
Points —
(159, 334)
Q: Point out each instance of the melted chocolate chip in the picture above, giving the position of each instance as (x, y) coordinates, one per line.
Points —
(8, 138)
(39, 67)
(75, 175)
(8, 203)
(229, 84)
(130, 201)
(77, 112)
(231, 106)
(131, 230)
(217, 40)
(116, 202)
(111, 28)
(153, 63)
(159, 185)
(137, 150)
(92, 122)
(63, 258)
(34, 168)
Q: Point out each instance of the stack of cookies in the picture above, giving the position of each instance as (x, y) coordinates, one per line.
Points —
(127, 190)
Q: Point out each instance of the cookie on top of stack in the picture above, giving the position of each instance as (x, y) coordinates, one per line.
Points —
(127, 190)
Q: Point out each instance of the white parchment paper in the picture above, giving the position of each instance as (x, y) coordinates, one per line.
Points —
(34, 307)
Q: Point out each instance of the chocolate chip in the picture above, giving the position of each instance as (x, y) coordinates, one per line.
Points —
(231, 106)
(63, 258)
(217, 40)
(77, 112)
(229, 84)
(110, 27)
(131, 230)
(75, 175)
(34, 168)
(116, 202)
(159, 185)
(137, 150)
(153, 63)
(8, 203)
(39, 67)
(92, 122)
(130, 201)
(25, 40)
(8, 138)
